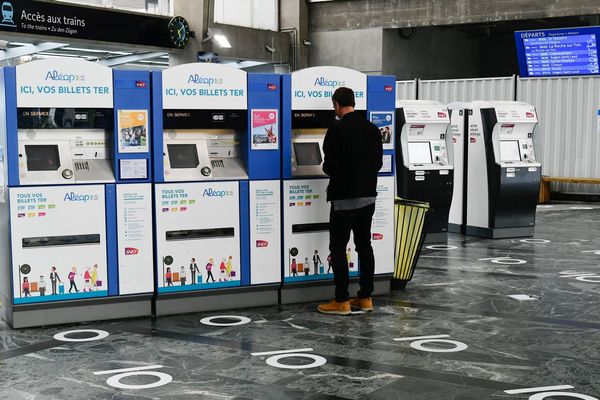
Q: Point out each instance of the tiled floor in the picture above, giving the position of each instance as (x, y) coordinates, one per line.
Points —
(499, 344)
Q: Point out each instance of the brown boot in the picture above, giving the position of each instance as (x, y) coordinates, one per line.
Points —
(365, 304)
(333, 307)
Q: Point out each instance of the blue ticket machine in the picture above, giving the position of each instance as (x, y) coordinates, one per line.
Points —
(217, 188)
(307, 114)
(76, 218)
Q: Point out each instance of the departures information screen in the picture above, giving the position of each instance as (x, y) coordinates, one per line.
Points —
(558, 52)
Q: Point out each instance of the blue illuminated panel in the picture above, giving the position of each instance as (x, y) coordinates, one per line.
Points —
(558, 52)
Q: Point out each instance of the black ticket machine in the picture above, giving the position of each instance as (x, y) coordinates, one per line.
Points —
(424, 161)
(503, 174)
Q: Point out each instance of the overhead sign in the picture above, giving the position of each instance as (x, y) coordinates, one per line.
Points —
(558, 52)
(71, 21)
(312, 88)
(205, 86)
(56, 83)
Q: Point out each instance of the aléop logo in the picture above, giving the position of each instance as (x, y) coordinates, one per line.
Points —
(84, 198)
(322, 81)
(55, 75)
(210, 192)
(204, 80)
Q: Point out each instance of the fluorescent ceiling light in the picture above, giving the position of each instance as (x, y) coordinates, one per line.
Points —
(222, 41)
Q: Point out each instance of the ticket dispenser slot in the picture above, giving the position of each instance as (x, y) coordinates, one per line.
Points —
(64, 240)
(193, 234)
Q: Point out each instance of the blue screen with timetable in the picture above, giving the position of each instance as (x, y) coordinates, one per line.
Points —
(558, 52)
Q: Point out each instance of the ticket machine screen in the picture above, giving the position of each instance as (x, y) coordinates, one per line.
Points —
(42, 157)
(308, 153)
(419, 153)
(183, 155)
(509, 150)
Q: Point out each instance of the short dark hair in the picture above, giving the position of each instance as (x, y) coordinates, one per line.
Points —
(344, 97)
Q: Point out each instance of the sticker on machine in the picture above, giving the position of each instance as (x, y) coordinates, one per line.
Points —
(506, 129)
(385, 122)
(265, 130)
(416, 130)
(386, 166)
(132, 128)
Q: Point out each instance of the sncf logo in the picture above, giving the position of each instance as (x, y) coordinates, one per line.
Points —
(442, 114)
(388, 88)
(529, 114)
(131, 251)
(262, 243)
(377, 236)
(271, 86)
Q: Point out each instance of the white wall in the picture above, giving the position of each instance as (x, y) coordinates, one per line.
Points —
(450, 90)
(358, 49)
(258, 14)
(568, 134)
(406, 90)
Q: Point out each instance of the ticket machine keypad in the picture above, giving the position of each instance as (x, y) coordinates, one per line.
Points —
(526, 149)
(439, 152)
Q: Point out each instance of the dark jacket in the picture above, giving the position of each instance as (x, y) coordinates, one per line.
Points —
(353, 157)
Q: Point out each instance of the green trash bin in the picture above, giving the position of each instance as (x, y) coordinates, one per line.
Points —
(410, 219)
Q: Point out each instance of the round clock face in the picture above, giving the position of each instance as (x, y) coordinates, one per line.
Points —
(179, 31)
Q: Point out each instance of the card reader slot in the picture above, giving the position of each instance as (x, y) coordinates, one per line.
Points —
(313, 227)
(66, 240)
(190, 234)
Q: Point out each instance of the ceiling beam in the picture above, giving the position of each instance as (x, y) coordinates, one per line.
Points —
(110, 62)
(15, 52)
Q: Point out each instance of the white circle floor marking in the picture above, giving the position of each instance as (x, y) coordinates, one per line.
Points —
(317, 361)
(535, 241)
(240, 320)
(420, 345)
(542, 396)
(115, 380)
(100, 334)
(589, 278)
(441, 247)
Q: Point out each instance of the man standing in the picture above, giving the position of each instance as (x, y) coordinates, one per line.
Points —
(316, 261)
(353, 157)
(194, 270)
(53, 278)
